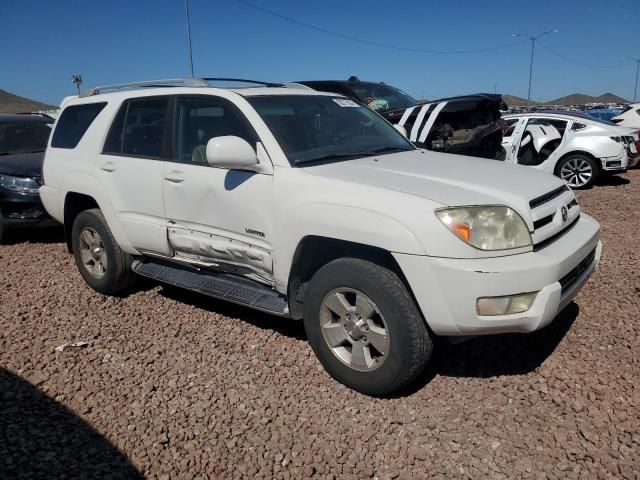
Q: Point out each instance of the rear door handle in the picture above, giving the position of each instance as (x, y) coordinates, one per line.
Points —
(174, 177)
(108, 166)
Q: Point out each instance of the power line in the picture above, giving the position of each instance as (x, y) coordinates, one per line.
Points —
(370, 42)
(569, 59)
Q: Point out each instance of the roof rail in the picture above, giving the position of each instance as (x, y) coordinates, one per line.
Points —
(174, 82)
(242, 80)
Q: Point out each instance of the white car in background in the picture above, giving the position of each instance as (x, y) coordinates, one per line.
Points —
(572, 146)
(630, 117)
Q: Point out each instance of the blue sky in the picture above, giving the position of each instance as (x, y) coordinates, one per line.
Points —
(42, 43)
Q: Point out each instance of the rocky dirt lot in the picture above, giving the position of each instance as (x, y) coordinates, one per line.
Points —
(175, 385)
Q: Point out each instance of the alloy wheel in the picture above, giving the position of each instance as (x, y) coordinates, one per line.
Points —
(354, 329)
(93, 253)
(577, 172)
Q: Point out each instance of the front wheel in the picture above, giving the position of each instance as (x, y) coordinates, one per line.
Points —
(101, 262)
(579, 171)
(364, 327)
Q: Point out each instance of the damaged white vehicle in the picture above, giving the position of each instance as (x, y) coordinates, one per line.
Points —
(309, 205)
(575, 147)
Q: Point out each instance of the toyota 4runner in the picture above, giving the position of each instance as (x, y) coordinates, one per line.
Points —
(308, 205)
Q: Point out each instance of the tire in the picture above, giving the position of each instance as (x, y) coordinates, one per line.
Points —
(116, 274)
(364, 284)
(2, 232)
(569, 169)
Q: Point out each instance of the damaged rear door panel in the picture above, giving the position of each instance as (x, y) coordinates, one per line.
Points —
(218, 217)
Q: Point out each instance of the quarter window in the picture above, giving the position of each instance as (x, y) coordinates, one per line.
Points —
(73, 123)
(200, 120)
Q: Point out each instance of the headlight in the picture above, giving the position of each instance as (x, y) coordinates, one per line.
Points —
(19, 184)
(487, 228)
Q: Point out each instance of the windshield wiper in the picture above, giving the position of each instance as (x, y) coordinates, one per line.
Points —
(332, 157)
(389, 150)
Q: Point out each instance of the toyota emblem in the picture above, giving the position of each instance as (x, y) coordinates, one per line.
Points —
(565, 214)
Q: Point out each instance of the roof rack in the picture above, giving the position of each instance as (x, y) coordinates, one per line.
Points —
(243, 80)
(174, 82)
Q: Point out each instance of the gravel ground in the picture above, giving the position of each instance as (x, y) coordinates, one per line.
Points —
(175, 385)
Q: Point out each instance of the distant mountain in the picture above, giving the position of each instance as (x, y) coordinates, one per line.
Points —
(10, 103)
(513, 101)
(573, 99)
(580, 99)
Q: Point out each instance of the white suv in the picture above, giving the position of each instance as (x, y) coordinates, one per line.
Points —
(309, 205)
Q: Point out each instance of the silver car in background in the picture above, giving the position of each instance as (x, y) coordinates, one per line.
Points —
(575, 147)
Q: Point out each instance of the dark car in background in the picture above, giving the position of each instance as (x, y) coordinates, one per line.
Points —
(23, 140)
(466, 125)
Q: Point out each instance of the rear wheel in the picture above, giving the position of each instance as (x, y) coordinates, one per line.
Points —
(579, 171)
(364, 326)
(101, 262)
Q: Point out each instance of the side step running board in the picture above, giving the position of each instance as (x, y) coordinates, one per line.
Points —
(218, 285)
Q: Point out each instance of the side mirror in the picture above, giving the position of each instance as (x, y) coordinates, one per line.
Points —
(401, 129)
(230, 152)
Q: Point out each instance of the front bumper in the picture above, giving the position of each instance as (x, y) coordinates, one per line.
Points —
(21, 210)
(447, 289)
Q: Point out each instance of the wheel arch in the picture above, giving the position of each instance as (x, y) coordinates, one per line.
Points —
(313, 252)
(74, 204)
(556, 168)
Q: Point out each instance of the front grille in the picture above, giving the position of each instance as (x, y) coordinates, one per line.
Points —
(547, 197)
(542, 222)
(540, 245)
(570, 278)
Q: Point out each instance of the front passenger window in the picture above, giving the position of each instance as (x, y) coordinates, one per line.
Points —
(199, 120)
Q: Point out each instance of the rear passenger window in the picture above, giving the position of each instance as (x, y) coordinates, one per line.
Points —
(139, 128)
(73, 123)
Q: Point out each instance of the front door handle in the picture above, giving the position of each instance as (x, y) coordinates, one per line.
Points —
(174, 177)
(108, 166)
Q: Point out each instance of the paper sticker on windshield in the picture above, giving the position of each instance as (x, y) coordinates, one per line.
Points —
(343, 102)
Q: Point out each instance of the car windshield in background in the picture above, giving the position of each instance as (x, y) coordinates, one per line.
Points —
(317, 128)
(25, 137)
(383, 98)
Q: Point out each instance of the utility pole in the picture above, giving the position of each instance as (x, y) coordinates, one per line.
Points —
(495, 88)
(635, 90)
(186, 11)
(533, 47)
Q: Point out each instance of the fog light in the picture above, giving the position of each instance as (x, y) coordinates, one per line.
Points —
(508, 305)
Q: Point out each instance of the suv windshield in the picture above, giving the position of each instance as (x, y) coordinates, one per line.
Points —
(382, 98)
(312, 128)
(23, 137)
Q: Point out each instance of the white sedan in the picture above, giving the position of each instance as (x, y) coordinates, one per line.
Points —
(572, 146)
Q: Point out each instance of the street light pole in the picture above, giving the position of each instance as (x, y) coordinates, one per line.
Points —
(186, 11)
(533, 48)
(635, 90)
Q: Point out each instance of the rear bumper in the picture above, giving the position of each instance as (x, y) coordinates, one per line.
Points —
(447, 289)
(617, 164)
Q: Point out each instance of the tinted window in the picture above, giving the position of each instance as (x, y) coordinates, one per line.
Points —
(114, 140)
(139, 128)
(73, 123)
(23, 137)
(312, 128)
(382, 98)
(201, 119)
(578, 126)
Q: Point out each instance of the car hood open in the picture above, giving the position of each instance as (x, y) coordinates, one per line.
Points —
(22, 164)
(447, 179)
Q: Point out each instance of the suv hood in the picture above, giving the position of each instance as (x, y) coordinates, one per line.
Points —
(22, 164)
(450, 180)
